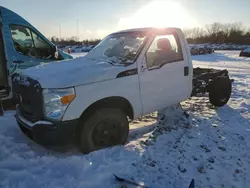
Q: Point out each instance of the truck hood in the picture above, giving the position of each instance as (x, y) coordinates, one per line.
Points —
(73, 72)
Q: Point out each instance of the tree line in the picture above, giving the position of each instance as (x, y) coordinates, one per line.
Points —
(73, 41)
(217, 33)
(234, 33)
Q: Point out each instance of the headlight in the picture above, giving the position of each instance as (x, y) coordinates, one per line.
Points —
(56, 102)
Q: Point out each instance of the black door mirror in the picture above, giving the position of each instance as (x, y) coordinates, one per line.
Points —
(54, 52)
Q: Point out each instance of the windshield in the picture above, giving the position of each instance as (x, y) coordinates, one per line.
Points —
(118, 48)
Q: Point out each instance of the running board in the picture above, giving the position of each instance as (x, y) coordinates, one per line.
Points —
(4, 95)
(1, 109)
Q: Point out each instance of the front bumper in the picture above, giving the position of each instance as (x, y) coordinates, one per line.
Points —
(46, 132)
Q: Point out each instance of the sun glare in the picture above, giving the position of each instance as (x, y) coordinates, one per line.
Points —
(158, 14)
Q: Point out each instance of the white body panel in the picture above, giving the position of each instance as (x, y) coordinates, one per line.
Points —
(78, 71)
(165, 86)
(126, 87)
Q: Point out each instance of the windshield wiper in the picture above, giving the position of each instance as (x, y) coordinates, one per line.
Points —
(119, 61)
(110, 61)
(126, 61)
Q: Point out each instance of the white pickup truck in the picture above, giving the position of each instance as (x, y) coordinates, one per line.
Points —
(91, 99)
(128, 74)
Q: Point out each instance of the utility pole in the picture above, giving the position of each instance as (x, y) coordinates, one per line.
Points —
(60, 31)
(77, 31)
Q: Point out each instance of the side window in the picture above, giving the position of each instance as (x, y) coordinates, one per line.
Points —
(22, 39)
(28, 43)
(164, 49)
(43, 49)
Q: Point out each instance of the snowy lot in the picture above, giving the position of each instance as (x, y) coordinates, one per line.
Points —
(212, 146)
(78, 54)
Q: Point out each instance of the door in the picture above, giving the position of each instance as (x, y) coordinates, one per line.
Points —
(163, 77)
(25, 46)
(3, 68)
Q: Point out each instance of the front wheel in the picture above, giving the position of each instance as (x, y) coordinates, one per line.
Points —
(106, 127)
(220, 91)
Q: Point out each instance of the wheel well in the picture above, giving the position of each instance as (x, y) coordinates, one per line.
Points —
(110, 102)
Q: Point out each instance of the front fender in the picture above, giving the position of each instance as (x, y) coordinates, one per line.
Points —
(125, 87)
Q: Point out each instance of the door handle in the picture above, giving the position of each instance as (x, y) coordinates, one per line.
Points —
(186, 71)
(18, 61)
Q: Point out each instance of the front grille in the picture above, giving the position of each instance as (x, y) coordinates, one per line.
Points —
(30, 97)
(27, 114)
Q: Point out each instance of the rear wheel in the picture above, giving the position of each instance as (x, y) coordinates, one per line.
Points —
(106, 127)
(220, 91)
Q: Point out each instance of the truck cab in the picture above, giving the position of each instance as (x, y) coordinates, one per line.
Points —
(128, 74)
(21, 46)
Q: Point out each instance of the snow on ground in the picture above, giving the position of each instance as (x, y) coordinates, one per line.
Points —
(78, 54)
(211, 146)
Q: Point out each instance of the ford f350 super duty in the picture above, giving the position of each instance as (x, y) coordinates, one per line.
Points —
(128, 74)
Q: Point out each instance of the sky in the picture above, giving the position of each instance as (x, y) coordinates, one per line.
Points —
(97, 18)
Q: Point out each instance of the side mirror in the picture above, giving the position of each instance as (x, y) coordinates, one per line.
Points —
(54, 52)
(56, 55)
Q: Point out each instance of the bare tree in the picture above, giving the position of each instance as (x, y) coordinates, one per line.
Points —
(187, 32)
(54, 39)
(214, 28)
(219, 33)
(198, 32)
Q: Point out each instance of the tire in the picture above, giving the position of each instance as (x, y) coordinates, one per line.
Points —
(220, 91)
(106, 127)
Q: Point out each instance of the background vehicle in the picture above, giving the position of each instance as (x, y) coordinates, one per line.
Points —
(150, 69)
(208, 49)
(245, 53)
(194, 50)
(201, 49)
(22, 46)
(76, 49)
(88, 48)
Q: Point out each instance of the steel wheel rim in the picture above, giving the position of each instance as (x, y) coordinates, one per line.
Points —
(106, 133)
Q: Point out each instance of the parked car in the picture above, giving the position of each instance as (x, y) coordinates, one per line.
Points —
(208, 49)
(88, 48)
(85, 49)
(90, 99)
(245, 52)
(201, 49)
(194, 50)
(77, 49)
